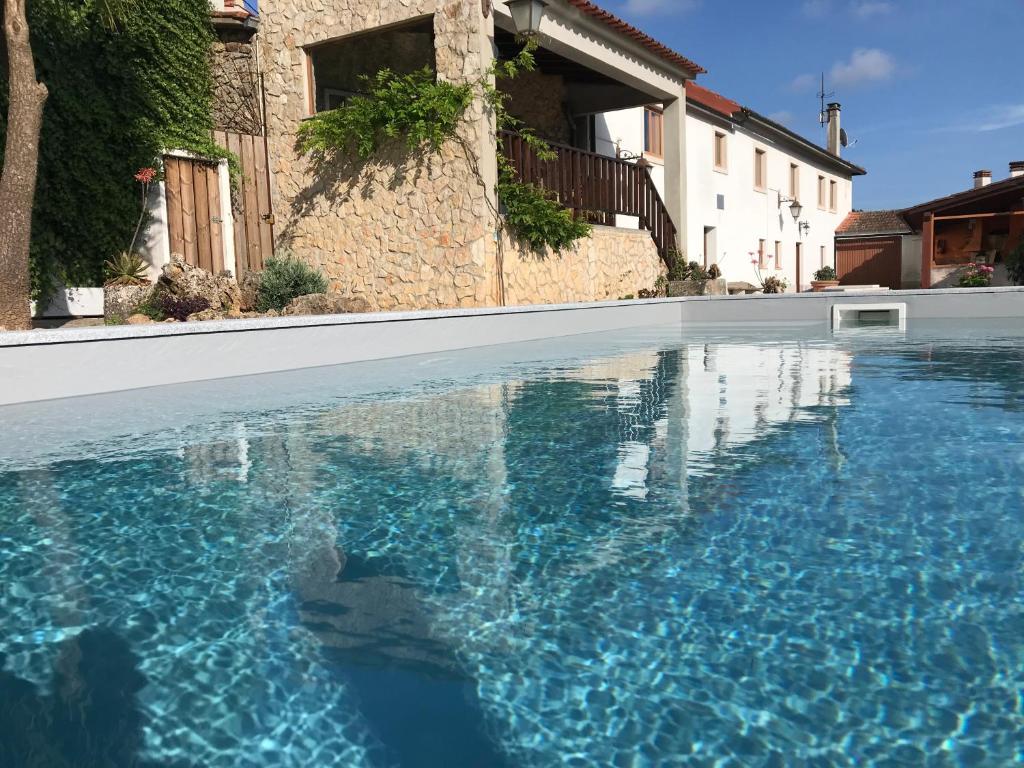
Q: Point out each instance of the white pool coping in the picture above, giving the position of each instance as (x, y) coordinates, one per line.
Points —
(58, 363)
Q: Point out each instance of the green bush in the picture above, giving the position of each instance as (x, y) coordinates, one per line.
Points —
(680, 270)
(1015, 264)
(825, 273)
(536, 218)
(285, 278)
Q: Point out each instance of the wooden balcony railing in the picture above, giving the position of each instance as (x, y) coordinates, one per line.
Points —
(595, 185)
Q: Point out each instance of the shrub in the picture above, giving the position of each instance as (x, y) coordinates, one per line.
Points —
(1015, 264)
(180, 307)
(773, 284)
(680, 270)
(714, 272)
(825, 273)
(976, 276)
(125, 269)
(285, 278)
(536, 218)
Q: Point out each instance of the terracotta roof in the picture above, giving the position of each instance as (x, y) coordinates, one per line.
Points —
(624, 28)
(873, 223)
(716, 102)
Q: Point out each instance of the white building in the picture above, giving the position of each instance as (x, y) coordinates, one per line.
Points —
(743, 171)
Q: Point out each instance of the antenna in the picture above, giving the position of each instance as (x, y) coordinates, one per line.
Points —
(843, 138)
(822, 95)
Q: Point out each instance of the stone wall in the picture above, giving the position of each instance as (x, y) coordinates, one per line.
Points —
(236, 93)
(407, 232)
(610, 264)
(399, 231)
(539, 101)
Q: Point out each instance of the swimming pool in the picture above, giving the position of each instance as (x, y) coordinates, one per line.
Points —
(630, 549)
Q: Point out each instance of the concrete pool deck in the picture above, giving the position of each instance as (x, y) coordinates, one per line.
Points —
(59, 363)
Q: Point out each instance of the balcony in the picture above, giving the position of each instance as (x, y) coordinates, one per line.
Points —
(239, 16)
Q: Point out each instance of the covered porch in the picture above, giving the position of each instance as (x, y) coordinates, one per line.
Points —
(589, 63)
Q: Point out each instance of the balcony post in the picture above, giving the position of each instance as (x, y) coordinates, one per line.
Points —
(675, 165)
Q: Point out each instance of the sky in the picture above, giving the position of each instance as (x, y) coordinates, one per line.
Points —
(931, 90)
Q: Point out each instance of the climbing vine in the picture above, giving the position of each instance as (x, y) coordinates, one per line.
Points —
(120, 90)
(426, 112)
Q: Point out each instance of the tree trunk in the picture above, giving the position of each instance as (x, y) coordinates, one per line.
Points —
(21, 162)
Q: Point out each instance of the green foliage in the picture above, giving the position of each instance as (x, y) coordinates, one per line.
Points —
(125, 269)
(1015, 264)
(976, 276)
(773, 284)
(151, 307)
(285, 278)
(825, 273)
(714, 272)
(539, 220)
(125, 80)
(417, 107)
(681, 270)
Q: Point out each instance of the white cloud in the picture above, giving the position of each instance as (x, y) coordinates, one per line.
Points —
(803, 82)
(783, 116)
(816, 8)
(865, 65)
(994, 118)
(648, 7)
(865, 9)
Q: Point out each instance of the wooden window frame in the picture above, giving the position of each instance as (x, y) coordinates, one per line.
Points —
(778, 254)
(760, 253)
(794, 181)
(833, 195)
(654, 132)
(721, 142)
(821, 193)
(760, 169)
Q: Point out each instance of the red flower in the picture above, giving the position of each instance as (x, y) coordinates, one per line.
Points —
(145, 175)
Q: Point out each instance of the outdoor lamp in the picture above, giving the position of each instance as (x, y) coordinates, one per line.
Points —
(796, 209)
(526, 15)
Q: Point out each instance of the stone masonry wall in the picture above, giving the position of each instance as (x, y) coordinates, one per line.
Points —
(400, 232)
(539, 101)
(610, 264)
(236, 100)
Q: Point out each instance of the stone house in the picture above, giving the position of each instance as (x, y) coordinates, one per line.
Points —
(425, 231)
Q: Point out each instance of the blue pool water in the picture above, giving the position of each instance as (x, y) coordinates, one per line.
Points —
(635, 549)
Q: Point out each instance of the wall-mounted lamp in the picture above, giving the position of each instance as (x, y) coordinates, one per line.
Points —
(804, 228)
(794, 205)
(526, 15)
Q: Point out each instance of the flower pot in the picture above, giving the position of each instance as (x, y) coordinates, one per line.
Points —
(820, 285)
(122, 300)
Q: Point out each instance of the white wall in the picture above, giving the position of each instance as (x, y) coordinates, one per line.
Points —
(748, 214)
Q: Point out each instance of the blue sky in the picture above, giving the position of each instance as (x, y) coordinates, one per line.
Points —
(931, 90)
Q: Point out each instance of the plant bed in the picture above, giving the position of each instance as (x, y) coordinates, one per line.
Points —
(824, 278)
(707, 287)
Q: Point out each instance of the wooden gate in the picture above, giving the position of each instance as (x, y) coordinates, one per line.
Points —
(253, 215)
(194, 221)
(870, 261)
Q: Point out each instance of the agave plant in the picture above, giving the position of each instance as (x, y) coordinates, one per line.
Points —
(125, 269)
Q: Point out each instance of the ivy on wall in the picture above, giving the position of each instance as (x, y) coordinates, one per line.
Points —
(425, 112)
(121, 90)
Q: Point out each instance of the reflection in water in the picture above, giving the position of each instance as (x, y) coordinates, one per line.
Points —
(90, 718)
(685, 554)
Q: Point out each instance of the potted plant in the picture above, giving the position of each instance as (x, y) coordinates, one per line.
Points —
(126, 285)
(976, 276)
(824, 278)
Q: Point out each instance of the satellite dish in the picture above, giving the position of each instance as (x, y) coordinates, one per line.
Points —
(843, 138)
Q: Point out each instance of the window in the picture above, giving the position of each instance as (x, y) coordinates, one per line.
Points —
(794, 181)
(721, 152)
(832, 195)
(760, 169)
(760, 254)
(654, 132)
(778, 254)
(821, 192)
(821, 255)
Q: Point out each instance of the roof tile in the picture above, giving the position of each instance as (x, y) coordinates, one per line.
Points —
(873, 223)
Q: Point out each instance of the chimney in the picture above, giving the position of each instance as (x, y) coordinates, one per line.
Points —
(982, 179)
(834, 144)
(1016, 168)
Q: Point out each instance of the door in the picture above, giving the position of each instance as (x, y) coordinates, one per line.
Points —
(194, 222)
(870, 261)
(799, 265)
